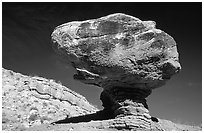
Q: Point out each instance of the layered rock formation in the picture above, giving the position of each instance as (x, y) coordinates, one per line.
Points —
(127, 123)
(26, 106)
(30, 101)
(125, 56)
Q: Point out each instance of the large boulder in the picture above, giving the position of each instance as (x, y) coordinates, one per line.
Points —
(118, 50)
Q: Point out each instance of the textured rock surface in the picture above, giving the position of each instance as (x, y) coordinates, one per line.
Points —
(24, 108)
(30, 101)
(124, 55)
(118, 50)
(127, 123)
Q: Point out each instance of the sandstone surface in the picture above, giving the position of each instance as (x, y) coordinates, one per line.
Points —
(128, 123)
(29, 101)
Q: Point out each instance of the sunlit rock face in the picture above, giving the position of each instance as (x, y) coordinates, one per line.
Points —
(124, 55)
(29, 101)
(118, 50)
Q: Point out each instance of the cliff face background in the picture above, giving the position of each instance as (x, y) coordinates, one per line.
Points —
(26, 48)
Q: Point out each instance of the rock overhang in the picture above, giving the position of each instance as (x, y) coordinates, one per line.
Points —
(118, 50)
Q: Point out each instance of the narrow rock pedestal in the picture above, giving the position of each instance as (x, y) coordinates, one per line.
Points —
(129, 108)
(126, 101)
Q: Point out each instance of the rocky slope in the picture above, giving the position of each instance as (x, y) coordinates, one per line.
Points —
(29, 101)
(33, 103)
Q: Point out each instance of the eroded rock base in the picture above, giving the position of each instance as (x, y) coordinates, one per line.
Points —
(126, 123)
(126, 101)
(134, 123)
(128, 107)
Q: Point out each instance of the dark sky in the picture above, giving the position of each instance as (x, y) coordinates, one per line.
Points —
(26, 48)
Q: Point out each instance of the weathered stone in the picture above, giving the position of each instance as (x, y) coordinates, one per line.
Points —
(125, 56)
(125, 123)
(31, 101)
(118, 50)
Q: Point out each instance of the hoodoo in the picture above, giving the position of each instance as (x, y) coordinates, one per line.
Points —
(124, 55)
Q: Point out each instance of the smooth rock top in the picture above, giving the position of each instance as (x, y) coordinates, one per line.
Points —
(118, 50)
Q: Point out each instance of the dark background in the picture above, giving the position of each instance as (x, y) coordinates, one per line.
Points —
(26, 48)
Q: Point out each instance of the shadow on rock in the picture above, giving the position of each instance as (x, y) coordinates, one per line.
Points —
(100, 115)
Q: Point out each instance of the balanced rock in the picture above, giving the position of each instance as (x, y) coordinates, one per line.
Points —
(124, 55)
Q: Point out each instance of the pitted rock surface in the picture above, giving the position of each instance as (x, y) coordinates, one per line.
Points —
(118, 50)
(30, 101)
